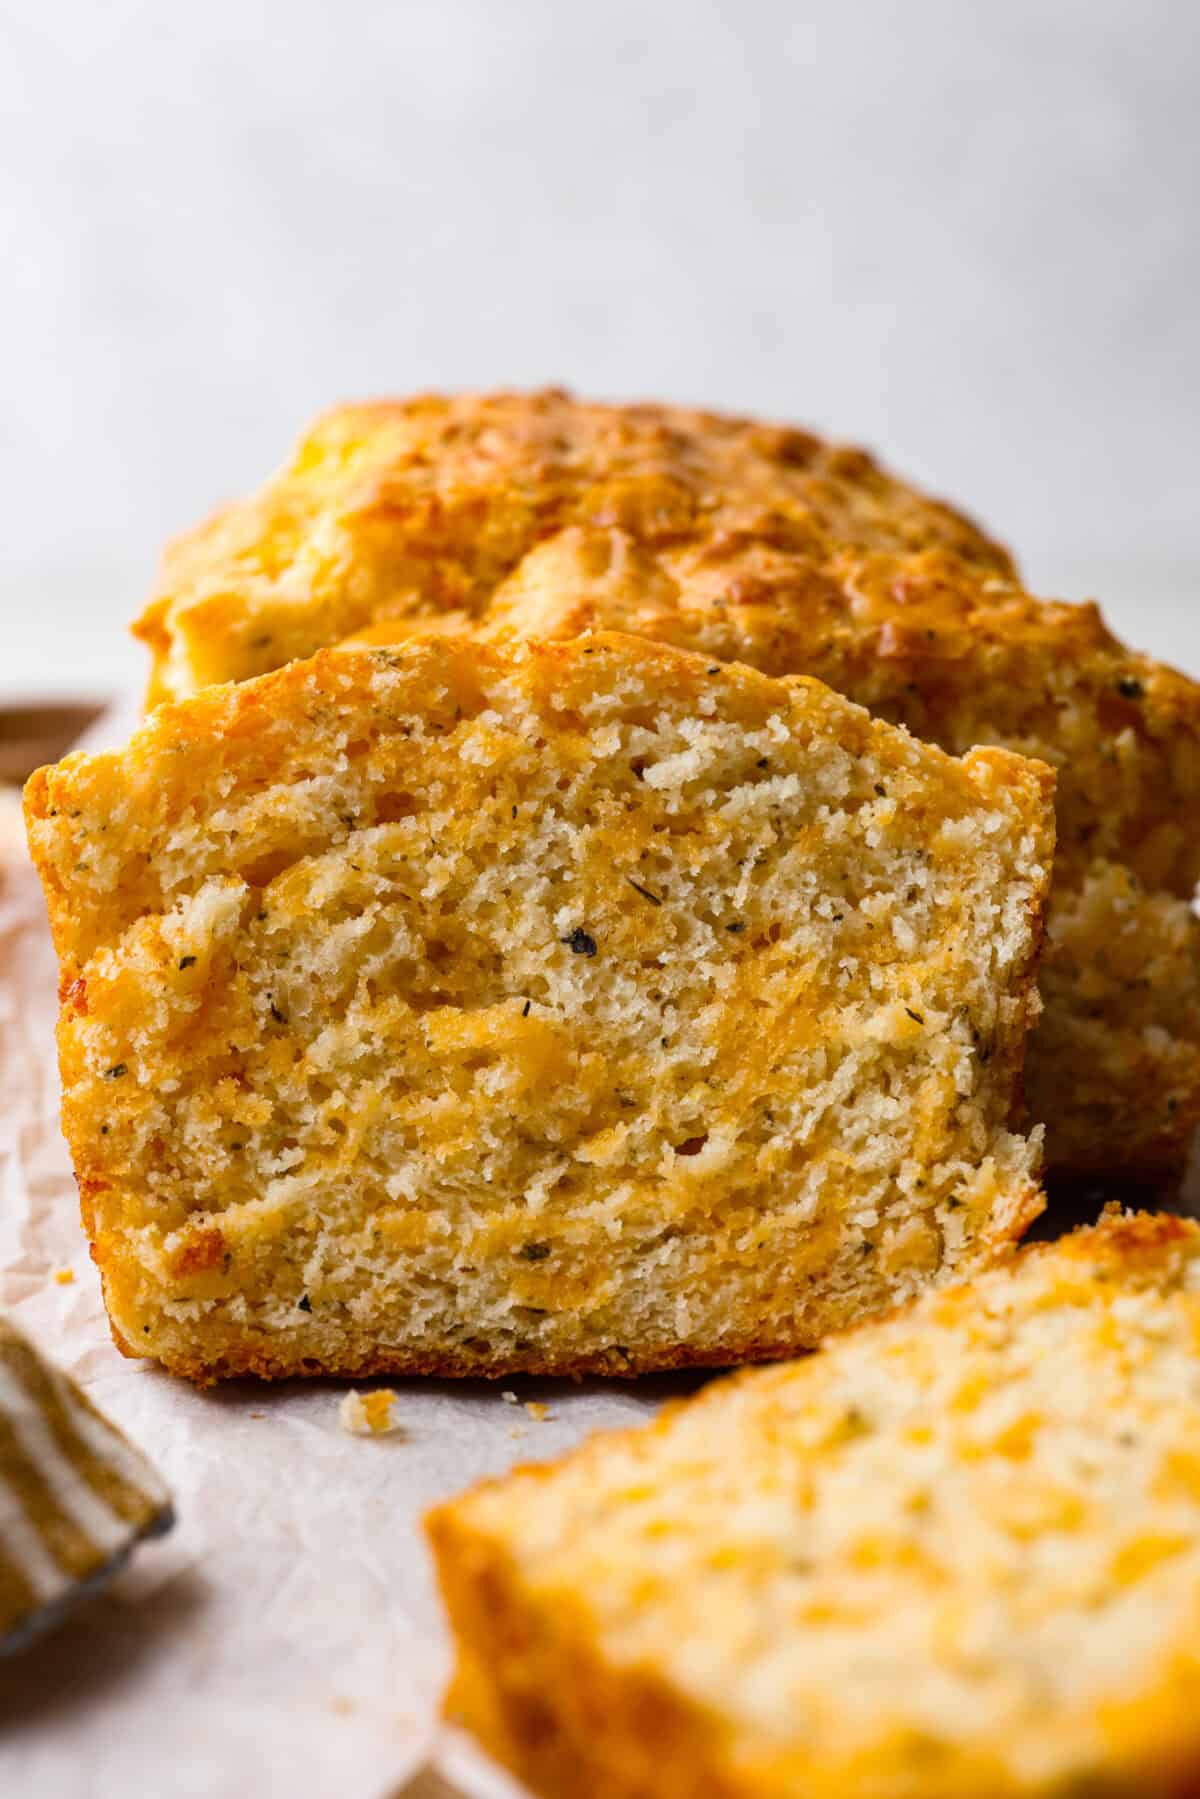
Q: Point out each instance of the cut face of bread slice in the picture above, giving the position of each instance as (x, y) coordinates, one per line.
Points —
(956, 1553)
(549, 1007)
(546, 516)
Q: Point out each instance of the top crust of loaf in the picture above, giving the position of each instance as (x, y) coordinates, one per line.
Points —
(396, 983)
(428, 506)
(544, 516)
(956, 1552)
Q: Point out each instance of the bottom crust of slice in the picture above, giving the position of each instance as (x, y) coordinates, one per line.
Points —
(260, 1362)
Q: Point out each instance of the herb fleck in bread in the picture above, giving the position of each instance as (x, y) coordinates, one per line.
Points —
(587, 1005)
(956, 1553)
(544, 515)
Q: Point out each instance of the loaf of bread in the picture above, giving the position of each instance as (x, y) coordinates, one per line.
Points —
(539, 514)
(955, 1554)
(472, 1008)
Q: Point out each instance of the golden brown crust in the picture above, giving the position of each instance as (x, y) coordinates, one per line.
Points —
(548, 1708)
(613, 1364)
(414, 508)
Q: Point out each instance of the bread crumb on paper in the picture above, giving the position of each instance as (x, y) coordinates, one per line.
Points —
(509, 1398)
(64, 1276)
(369, 1414)
(538, 1410)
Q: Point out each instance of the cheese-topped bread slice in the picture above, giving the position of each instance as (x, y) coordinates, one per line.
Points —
(955, 1554)
(575, 1006)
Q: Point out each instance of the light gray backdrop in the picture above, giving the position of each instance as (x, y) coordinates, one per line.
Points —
(963, 233)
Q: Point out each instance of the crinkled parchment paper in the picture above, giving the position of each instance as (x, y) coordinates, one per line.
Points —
(285, 1638)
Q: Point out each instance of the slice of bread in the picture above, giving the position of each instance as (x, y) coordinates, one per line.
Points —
(546, 515)
(955, 1554)
(574, 1006)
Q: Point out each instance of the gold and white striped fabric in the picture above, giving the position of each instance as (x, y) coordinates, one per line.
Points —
(75, 1495)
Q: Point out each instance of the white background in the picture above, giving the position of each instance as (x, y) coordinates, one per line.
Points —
(964, 233)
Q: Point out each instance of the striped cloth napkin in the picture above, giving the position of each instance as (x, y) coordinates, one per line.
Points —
(75, 1495)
